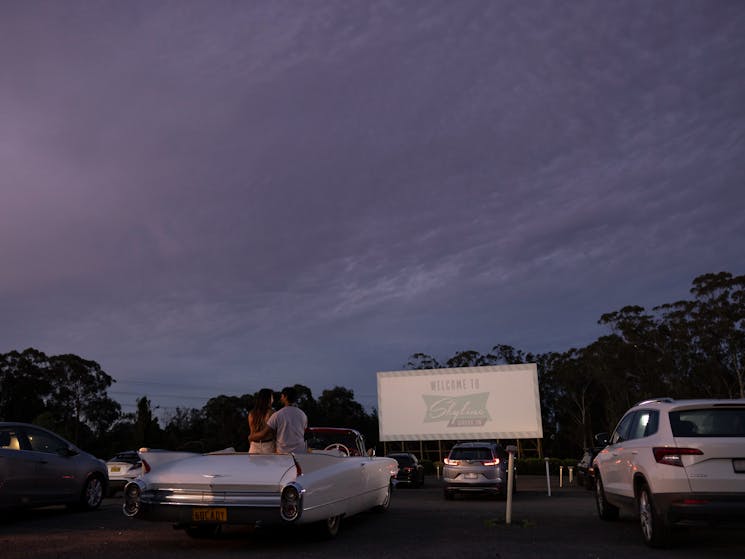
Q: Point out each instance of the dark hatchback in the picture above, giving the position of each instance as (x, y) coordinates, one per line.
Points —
(410, 470)
(40, 468)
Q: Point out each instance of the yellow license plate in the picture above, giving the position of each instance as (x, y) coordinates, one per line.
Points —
(209, 515)
(115, 468)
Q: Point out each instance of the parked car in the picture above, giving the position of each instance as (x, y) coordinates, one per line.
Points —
(123, 468)
(585, 471)
(672, 461)
(410, 470)
(39, 468)
(476, 467)
(334, 479)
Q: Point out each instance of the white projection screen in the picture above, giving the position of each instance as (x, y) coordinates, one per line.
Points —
(495, 402)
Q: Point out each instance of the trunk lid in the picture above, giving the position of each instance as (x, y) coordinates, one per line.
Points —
(223, 472)
(716, 470)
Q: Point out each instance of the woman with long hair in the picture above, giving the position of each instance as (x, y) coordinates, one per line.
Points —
(257, 419)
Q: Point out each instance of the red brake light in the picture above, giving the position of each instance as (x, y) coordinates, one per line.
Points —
(494, 462)
(450, 462)
(145, 466)
(673, 456)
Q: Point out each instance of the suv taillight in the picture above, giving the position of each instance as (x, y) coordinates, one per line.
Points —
(494, 462)
(451, 462)
(673, 456)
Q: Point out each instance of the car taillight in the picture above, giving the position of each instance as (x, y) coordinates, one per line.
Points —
(494, 462)
(145, 466)
(695, 501)
(291, 503)
(673, 456)
(408, 469)
(132, 492)
(450, 462)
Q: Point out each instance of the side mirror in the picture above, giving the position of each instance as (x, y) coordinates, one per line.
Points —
(602, 439)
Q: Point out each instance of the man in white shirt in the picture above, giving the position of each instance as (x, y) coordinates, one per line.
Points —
(288, 425)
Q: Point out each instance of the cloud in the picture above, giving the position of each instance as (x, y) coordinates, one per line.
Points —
(314, 193)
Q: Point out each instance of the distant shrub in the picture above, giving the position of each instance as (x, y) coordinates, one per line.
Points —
(429, 467)
(537, 466)
(530, 466)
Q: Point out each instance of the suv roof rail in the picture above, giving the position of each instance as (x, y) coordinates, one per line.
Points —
(665, 399)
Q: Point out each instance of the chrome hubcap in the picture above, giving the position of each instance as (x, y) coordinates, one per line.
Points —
(94, 491)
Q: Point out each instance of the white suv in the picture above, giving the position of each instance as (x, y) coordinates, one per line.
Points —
(673, 461)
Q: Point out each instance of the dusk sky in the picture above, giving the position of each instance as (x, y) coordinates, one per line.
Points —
(212, 197)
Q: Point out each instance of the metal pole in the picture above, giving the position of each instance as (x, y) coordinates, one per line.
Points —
(510, 481)
(548, 478)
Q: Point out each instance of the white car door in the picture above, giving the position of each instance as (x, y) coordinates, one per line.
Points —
(636, 446)
(610, 459)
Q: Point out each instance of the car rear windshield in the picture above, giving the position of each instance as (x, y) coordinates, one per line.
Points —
(480, 453)
(130, 457)
(709, 422)
(404, 460)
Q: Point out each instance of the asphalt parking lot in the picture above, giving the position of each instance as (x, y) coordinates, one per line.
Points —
(420, 523)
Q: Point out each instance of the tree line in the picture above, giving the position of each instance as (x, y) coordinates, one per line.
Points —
(68, 395)
(686, 349)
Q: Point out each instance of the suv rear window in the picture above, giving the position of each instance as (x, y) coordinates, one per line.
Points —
(480, 453)
(404, 460)
(710, 422)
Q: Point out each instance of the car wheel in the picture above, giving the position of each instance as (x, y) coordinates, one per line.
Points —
(92, 493)
(606, 511)
(385, 505)
(655, 531)
(203, 531)
(329, 528)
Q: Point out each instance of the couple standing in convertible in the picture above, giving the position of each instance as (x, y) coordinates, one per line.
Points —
(278, 432)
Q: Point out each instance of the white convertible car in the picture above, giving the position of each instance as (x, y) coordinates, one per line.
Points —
(202, 492)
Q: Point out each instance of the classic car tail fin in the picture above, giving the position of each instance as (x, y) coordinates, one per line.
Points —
(153, 458)
(298, 467)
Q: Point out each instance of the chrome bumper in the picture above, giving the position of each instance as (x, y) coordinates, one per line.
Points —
(179, 506)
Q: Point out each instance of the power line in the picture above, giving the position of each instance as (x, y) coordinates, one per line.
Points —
(156, 383)
(151, 395)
